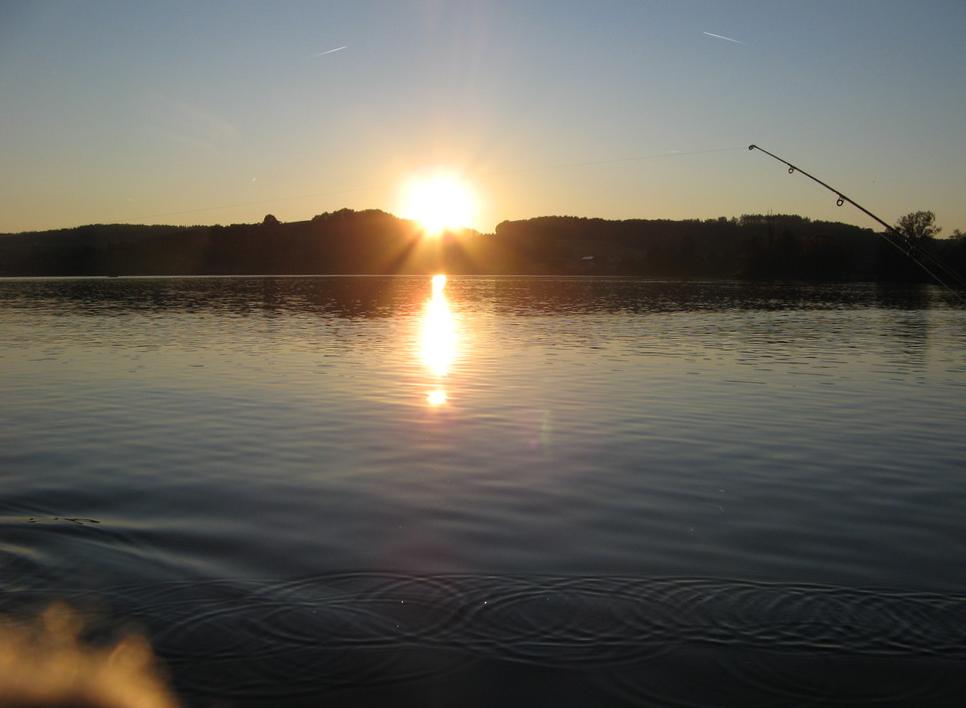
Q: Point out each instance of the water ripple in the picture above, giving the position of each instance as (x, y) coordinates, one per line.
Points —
(363, 629)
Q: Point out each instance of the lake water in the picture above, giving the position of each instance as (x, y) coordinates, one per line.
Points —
(518, 491)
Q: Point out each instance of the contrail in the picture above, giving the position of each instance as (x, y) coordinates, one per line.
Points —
(339, 49)
(721, 36)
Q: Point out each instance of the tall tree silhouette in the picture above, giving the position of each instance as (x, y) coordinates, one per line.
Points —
(918, 225)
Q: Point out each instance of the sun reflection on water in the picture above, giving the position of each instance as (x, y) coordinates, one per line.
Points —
(438, 339)
(437, 397)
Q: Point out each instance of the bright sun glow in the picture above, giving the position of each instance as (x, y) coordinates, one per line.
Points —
(439, 202)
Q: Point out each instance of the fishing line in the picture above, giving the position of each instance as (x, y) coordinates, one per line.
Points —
(238, 205)
(614, 160)
(904, 244)
(315, 195)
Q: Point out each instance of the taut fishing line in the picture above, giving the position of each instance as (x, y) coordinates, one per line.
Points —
(542, 168)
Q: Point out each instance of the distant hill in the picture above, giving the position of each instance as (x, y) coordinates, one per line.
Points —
(374, 242)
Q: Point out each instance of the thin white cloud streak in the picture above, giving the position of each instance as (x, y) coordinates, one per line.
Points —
(721, 36)
(330, 51)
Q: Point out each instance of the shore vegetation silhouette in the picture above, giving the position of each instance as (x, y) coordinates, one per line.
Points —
(752, 246)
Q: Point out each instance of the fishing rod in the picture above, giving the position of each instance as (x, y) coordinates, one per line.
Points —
(904, 244)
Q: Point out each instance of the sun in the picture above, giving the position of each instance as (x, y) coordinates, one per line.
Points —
(439, 202)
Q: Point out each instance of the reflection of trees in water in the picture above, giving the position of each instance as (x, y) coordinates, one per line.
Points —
(557, 295)
(348, 297)
(779, 317)
(908, 332)
(386, 296)
(906, 323)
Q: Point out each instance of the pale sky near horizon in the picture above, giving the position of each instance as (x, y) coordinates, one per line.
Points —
(205, 112)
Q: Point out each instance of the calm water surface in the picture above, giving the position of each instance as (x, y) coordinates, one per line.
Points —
(513, 490)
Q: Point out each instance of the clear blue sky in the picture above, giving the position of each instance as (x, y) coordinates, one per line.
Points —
(205, 112)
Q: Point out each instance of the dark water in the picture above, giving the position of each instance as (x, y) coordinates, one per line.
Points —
(519, 491)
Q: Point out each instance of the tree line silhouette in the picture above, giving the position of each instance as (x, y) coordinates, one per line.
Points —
(753, 246)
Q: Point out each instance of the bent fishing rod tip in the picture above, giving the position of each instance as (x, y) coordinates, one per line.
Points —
(752, 146)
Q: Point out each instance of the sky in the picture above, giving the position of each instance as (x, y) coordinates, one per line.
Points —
(221, 112)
